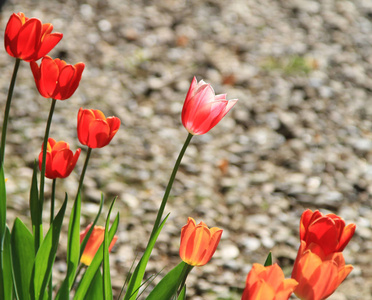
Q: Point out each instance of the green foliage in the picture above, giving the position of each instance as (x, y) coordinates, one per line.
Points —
(139, 272)
(167, 288)
(36, 214)
(7, 268)
(182, 295)
(107, 289)
(269, 260)
(45, 257)
(95, 290)
(23, 255)
(86, 238)
(87, 279)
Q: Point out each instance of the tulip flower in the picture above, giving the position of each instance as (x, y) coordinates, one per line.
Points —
(29, 39)
(94, 242)
(318, 274)
(94, 129)
(60, 160)
(327, 231)
(267, 283)
(202, 109)
(198, 242)
(56, 79)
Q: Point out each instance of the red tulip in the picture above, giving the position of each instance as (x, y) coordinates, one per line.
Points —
(327, 231)
(56, 79)
(267, 283)
(198, 242)
(60, 160)
(202, 109)
(318, 275)
(94, 129)
(94, 242)
(29, 39)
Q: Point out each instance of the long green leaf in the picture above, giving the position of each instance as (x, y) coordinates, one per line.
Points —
(36, 215)
(95, 290)
(107, 289)
(168, 286)
(73, 245)
(23, 255)
(7, 267)
(45, 257)
(139, 272)
(73, 250)
(63, 292)
(85, 240)
(86, 281)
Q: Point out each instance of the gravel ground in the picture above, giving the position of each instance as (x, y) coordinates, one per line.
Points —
(299, 137)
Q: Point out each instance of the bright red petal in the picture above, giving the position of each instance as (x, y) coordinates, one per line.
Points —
(99, 132)
(28, 40)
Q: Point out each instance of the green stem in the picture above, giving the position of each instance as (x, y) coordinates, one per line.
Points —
(45, 147)
(169, 186)
(43, 165)
(7, 109)
(52, 201)
(83, 171)
(81, 266)
(185, 272)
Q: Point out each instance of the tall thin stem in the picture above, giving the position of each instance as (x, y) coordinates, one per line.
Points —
(38, 229)
(52, 200)
(83, 171)
(45, 146)
(7, 109)
(169, 186)
(185, 271)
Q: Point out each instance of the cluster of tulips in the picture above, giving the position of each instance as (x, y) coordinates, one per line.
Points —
(27, 257)
(318, 269)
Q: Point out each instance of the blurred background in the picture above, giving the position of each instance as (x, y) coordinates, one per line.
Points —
(299, 137)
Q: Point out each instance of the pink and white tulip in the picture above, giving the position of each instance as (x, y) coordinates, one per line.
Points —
(203, 109)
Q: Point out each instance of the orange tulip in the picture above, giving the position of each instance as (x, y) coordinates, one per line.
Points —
(95, 240)
(60, 160)
(318, 275)
(56, 79)
(29, 39)
(198, 242)
(202, 109)
(267, 283)
(94, 129)
(327, 231)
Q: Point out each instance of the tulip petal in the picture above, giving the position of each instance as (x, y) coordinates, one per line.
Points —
(213, 243)
(99, 132)
(11, 32)
(346, 236)
(61, 162)
(94, 242)
(114, 124)
(75, 80)
(48, 43)
(49, 74)
(63, 89)
(186, 232)
(85, 117)
(28, 39)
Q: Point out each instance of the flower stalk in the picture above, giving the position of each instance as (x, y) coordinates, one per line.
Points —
(7, 109)
(170, 184)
